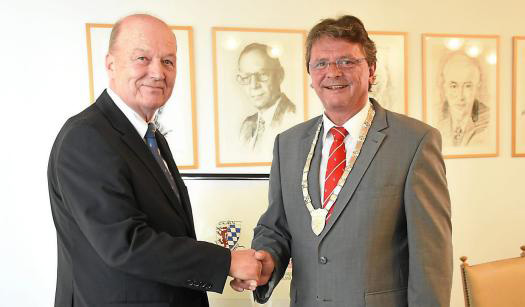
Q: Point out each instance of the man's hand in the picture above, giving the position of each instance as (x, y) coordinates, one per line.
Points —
(268, 265)
(245, 267)
(241, 285)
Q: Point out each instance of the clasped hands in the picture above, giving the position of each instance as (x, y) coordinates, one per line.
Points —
(250, 268)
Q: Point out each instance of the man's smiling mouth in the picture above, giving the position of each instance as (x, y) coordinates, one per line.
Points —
(335, 87)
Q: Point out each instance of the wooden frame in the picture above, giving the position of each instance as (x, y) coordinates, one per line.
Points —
(391, 85)
(518, 97)
(461, 89)
(179, 114)
(237, 140)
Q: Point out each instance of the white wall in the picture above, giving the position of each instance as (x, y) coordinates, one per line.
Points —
(44, 80)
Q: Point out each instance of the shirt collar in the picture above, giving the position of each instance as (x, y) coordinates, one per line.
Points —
(136, 120)
(353, 125)
(267, 115)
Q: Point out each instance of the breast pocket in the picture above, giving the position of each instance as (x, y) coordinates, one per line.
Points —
(379, 192)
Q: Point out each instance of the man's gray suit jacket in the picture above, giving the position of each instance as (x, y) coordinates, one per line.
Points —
(388, 242)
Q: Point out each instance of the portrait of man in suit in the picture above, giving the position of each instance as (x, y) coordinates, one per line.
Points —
(358, 196)
(464, 119)
(260, 75)
(123, 218)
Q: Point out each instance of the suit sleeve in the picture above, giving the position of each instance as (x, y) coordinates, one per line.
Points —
(271, 233)
(429, 230)
(95, 186)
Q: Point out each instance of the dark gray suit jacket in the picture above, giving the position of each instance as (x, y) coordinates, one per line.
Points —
(388, 242)
(124, 239)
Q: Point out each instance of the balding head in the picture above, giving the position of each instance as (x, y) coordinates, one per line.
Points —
(461, 80)
(124, 22)
(141, 63)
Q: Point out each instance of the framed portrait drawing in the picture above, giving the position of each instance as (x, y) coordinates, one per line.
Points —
(390, 87)
(461, 92)
(259, 91)
(177, 119)
(518, 97)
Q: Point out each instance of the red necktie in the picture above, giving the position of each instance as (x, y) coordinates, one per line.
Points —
(336, 164)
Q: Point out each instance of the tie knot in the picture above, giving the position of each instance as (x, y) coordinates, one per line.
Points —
(339, 133)
(150, 133)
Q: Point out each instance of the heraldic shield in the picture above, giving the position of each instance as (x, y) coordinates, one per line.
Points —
(229, 234)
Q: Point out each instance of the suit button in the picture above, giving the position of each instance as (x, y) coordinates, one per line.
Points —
(323, 260)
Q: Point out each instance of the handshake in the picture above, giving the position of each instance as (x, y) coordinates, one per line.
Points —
(250, 268)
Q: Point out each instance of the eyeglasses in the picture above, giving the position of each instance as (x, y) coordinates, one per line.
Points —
(343, 64)
(245, 79)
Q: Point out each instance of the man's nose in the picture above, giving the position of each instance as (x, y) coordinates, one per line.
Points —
(462, 93)
(333, 70)
(156, 70)
(254, 81)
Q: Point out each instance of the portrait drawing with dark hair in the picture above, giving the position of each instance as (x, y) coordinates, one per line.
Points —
(260, 76)
(260, 91)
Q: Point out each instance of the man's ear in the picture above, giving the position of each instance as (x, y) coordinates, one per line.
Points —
(110, 65)
(372, 74)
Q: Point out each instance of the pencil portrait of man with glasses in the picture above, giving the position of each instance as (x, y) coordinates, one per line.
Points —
(260, 76)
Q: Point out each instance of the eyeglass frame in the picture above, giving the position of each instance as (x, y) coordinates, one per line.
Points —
(338, 63)
(262, 76)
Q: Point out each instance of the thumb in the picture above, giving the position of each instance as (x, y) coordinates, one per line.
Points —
(260, 255)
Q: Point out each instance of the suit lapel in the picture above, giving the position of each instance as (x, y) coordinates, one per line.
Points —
(370, 147)
(130, 136)
(184, 197)
(313, 176)
(285, 105)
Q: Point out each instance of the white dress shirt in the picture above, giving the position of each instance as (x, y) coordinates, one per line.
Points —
(136, 120)
(353, 126)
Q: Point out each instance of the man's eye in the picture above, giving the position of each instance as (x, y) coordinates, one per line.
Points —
(141, 58)
(168, 62)
(346, 62)
(321, 64)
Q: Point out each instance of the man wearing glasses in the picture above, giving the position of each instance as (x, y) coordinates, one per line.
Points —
(358, 196)
(260, 77)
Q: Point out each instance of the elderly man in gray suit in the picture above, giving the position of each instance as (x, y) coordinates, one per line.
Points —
(358, 196)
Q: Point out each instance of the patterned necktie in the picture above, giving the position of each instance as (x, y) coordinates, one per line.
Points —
(259, 132)
(336, 164)
(151, 141)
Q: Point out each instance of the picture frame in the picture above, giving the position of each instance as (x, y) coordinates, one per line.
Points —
(177, 120)
(259, 91)
(229, 207)
(518, 96)
(390, 88)
(461, 92)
